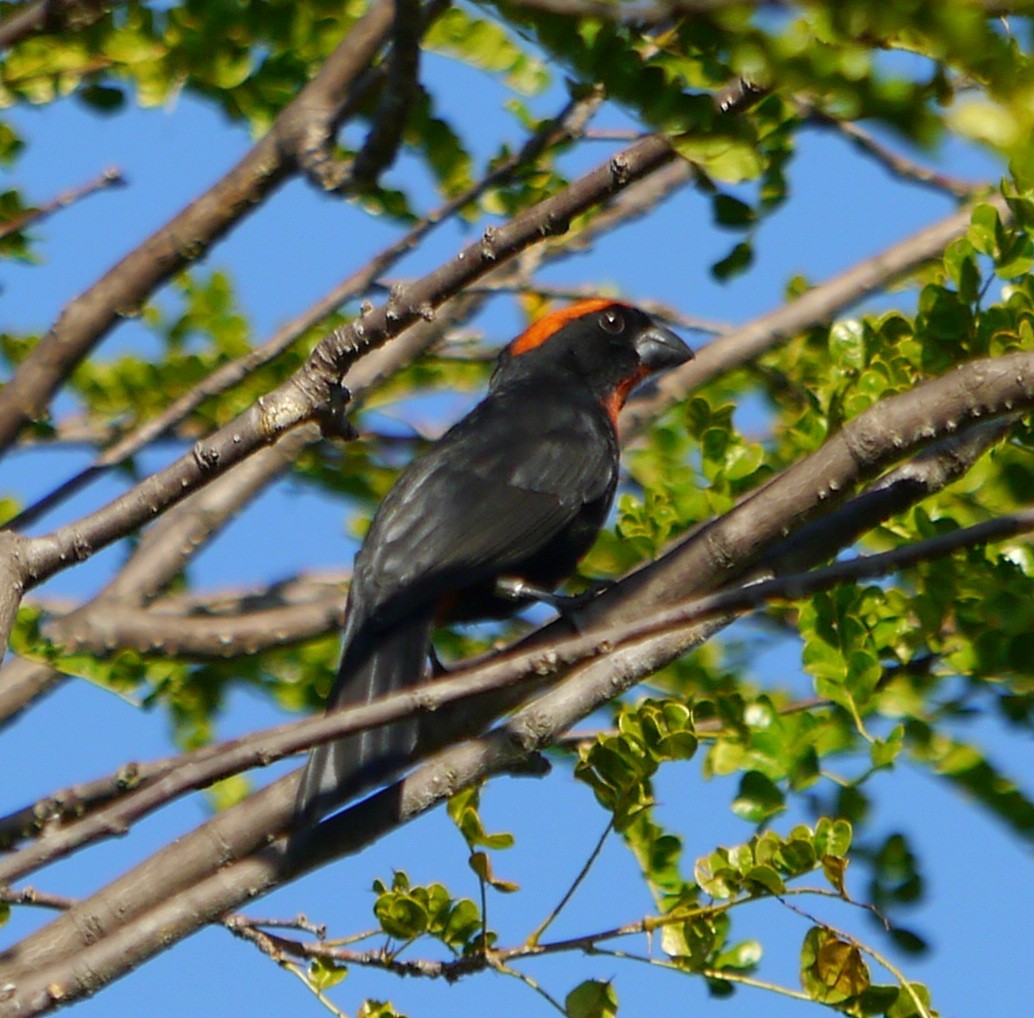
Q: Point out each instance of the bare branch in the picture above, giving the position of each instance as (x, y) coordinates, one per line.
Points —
(870, 443)
(893, 162)
(40, 899)
(111, 177)
(161, 554)
(933, 469)
(204, 636)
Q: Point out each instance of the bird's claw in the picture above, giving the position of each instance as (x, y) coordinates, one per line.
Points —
(515, 589)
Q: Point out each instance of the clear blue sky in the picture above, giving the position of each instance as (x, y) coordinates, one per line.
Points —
(841, 209)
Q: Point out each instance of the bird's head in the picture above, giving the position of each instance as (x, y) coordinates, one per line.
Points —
(607, 345)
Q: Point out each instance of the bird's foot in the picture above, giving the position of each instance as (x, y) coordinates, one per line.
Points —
(567, 605)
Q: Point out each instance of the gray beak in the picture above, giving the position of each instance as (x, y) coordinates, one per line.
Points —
(660, 348)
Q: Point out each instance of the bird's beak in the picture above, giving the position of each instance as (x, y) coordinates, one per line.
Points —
(660, 348)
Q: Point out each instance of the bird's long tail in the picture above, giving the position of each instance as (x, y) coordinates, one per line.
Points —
(374, 663)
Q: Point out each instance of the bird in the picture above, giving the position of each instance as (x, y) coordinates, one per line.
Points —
(517, 490)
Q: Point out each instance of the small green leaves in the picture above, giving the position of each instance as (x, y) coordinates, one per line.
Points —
(488, 45)
(463, 809)
(592, 999)
(758, 798)
(324, 974)
(618, 767)
(406, 912)
(764, 864)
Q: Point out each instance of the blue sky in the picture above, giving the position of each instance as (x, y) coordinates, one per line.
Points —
(841, 210)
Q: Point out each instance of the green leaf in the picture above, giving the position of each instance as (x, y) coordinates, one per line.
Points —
(731, 212)
(323, 973)
(744, 957)
(737, 261)
(463, 809)
(758, 798)
(591, 999)
(733, 160)
(883, 752)
(983, 228)
(834, 868)
(481, 864)
(905, 1005)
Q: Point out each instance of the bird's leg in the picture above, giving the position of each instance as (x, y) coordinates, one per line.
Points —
(515, 589)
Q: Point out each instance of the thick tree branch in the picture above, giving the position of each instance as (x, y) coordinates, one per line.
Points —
(517, 667)
(204, 636)
(865, 446)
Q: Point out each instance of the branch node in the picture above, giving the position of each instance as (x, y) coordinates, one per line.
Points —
(489, 240)
(206, 457)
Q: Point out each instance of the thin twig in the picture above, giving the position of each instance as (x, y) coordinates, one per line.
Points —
(39, 899)
(536, 935)
(893, 162)
(111, 177)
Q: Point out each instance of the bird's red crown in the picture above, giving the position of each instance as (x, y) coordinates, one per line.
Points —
(548, 325)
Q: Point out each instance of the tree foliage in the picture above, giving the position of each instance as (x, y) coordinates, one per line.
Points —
(897, 428)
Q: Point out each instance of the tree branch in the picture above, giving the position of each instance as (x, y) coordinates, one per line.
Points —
(817, 306)
(403, 82)
(109, 178)
(162, 553)
(893, 162)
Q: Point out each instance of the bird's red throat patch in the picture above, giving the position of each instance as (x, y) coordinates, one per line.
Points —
(616, 399)
(548, 325)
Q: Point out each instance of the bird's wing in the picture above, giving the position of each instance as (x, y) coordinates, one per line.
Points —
(493, 491)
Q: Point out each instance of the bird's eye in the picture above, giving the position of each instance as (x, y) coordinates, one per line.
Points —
(612, 321)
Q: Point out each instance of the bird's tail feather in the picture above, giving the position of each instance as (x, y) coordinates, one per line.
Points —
(374, 663)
